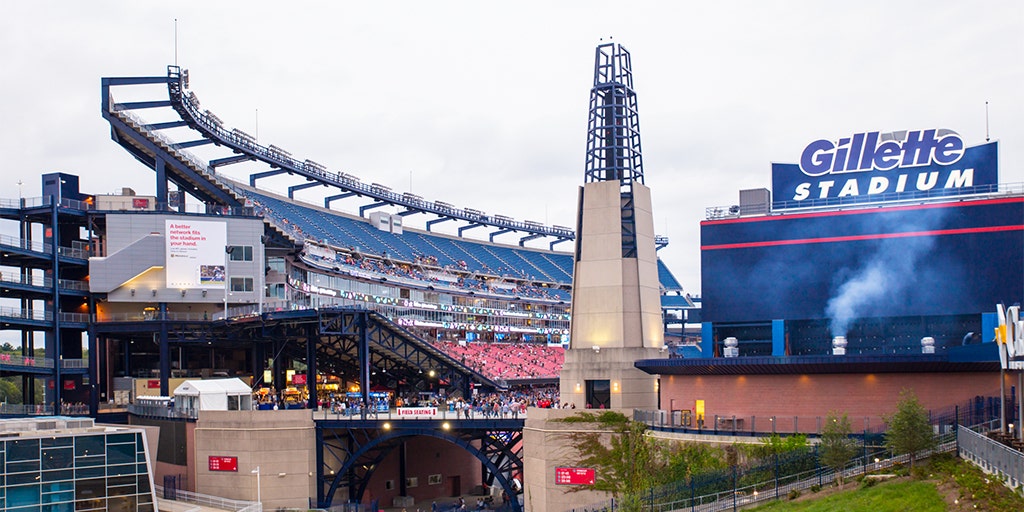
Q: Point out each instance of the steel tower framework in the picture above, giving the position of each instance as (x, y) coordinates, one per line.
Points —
(613, 133)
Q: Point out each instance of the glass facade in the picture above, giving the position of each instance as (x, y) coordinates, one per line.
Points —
(45, 469)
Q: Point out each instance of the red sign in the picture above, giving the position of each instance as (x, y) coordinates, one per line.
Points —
(153, 383)
(138, 202)
(299, 379)
(574, 476)
(69, 384)
(218, 463)
(417, 411)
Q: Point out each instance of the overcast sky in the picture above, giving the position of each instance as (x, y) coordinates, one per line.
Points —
(485, 106)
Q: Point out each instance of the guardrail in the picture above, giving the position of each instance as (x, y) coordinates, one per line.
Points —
(441, 413)
(43, 248)
(25, 361)
(732, 495)
(159, 411)
(25, 314)
(782, 207)
(28, 245)
(991, 456)
(25, 410)
(206, 500)
(74, 363)
(741, 425)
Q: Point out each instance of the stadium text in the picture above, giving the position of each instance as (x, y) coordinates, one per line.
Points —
(883, 185)
(864, 152)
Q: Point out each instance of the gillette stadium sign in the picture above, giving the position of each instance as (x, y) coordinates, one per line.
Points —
(876, 166)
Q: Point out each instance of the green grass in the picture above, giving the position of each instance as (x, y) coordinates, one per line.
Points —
(929, 486)
(896, 496)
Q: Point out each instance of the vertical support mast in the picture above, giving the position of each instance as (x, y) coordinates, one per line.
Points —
(613, 134)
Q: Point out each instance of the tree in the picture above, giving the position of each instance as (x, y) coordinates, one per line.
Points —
(836, 448)
(775, 444)
(626, 460)
(9, 392)
(686, 459)
(909, 430)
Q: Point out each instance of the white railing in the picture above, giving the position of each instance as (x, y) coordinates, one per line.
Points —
(206, 500)
(26, 361)
(992, 456)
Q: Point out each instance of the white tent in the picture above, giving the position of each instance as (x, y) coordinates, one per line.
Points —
(213, 395)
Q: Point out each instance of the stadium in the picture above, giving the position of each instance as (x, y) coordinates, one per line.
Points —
(340, 291)
(851, 281)
(127, 297)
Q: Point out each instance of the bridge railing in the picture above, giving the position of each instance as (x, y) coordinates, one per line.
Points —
(441, 413)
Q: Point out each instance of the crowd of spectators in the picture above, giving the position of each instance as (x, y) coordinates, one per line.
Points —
(446, 275)
(425, 267)
(508, 360)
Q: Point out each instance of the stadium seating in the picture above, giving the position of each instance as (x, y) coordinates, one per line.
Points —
(508, 361)
(411, 246)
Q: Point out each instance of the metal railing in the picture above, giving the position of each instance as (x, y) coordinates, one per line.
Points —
(74, 363)
(25, 409)
(26, 361)
(44, 249)
(782, 207)
(991, 456)
(734, 488)
(25, 314)
(42, 281)
(159, 411)
(206, 500)
(442, 413)
(743, 425)
(36, 202)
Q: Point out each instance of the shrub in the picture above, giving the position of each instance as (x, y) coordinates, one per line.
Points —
(815, 488)
(794, 494)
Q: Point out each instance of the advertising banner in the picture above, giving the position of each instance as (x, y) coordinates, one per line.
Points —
(195, 253)
(877, 166)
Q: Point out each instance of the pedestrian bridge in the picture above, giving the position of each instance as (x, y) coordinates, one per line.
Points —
(351, 446)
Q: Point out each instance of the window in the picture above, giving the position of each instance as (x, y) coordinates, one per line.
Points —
(240, 252)
(599, 394)
(241, 284)
(276, 264)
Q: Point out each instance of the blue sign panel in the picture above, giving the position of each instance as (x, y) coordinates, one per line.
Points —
(876, 166)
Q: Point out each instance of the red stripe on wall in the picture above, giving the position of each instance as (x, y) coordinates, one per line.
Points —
(853, 238)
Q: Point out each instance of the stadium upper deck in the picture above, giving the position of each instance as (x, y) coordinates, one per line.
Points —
(204, 179)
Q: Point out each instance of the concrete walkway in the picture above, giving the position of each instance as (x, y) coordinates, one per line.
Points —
(180, 506)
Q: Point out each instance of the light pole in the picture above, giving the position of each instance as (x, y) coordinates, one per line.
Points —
(228, 249)
(259, 499)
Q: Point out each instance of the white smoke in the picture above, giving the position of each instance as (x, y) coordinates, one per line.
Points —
(884, 279)
(866, 288)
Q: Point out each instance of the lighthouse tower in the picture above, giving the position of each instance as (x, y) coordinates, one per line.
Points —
(616, 309)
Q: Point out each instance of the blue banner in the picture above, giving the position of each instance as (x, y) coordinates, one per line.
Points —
(875, 167)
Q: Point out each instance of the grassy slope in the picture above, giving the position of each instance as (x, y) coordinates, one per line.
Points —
(889, 496)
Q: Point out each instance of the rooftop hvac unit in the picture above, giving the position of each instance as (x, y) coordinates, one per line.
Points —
(732, 348)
